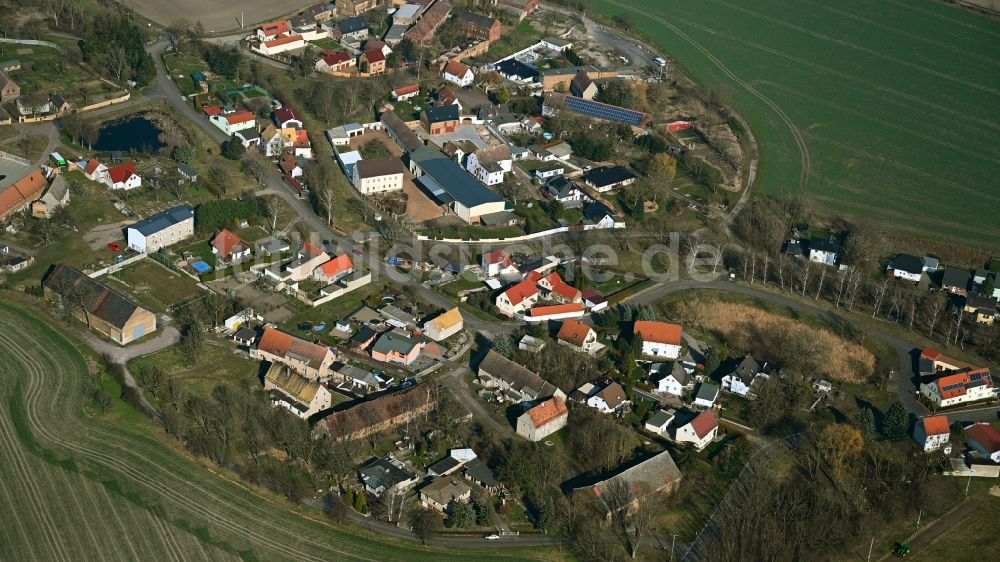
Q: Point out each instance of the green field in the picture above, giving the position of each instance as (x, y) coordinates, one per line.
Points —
(80, 487)
(886, 111)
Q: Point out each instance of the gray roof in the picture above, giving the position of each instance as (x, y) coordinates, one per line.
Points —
(746, 369)
(596, 211)
(391, 341)
(671, 368)
(824, 245)
(655, 473)
(406, 136)
(246, 334)
(376, 167)
(954, 277)
(575, 69)
(443, 466)
(352, 372)
(102, 301)
(442, 113)
(383, 473)
(479, 471)
(164, 220)
(659, 419)
(448, 182)
(350, 25)
(908, 263)
(707, 391)
(608, 175)
(516, 376)
(187, 170)
(514, 67)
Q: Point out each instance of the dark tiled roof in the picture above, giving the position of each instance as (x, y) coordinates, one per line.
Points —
(103, 301)
(823, 245)
(608, 175)
(350, 25)
(956, 278)
(442, 113)
(908, 263)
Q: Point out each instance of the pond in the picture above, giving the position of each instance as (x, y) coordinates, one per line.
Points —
(133, 133)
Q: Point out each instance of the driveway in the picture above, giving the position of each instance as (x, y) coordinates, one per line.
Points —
(456, 383)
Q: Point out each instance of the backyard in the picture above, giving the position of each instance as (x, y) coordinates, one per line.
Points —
(154, 285)
(217, 364)
(47, 70)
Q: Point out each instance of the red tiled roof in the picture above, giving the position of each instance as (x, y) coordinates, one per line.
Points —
(286, 114)
(456, 68)
(497, 256)
(92, 165)
(986, 435)
(659, 332)
(311, 249)
(374, 55)
(302, 139)
(555, 309)
(23, 191)
(239, 117)
(956, 384)
(122, 172)
(704, 423)
(445, 96)
(275, 27)
(279, 343)
(225, 241)
(336, 58)
(523, 290)
(406, 90)
(574, 332)
(283, 40)
(562, 288)
(547, 411)
(212, 110)
(931, 354)
(936, 425)
(337, 265)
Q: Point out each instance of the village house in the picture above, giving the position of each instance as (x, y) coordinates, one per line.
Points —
(554, 288)
(308, 359)
(442, 491)
(273, 30)
(706, 396)
(245, 337)
(335, 61)
(659, 422)
(295, 393)
(608, 178)
(743, 376)
(444, 325)
(659, 339)
(405, 93)
(162, 229)
(515, 382)
(378, 175)
(33, 104)
(609, 400)
(21, 193)
(582, 86)
(386, 476)
(292, 167)
(352, 31)
(458, 73)
(983, 307)
(392, 347)
(599, 215)
(304, 261)
(9, 90)
(55, 197)
(455, 460)
(657, 474)
(429, 23)
(823, 250)
(579, 336)
(229, 247)
(984, 439)
(563, 189)
(543, 419)
(496, 263)
(334, 270)
(272, 142)
(516, 71)
(956, 281)
(232, 122)
(123, 176)
(407, 14)
(373, 62)
(363, 338)
(700, 431)
(360, 380)
(945, 381)
(449, 185)
(440, 120)
(286, 117)
(932, 433)
(907, 267)
(104, 310)
(355, 7)
(671, 378)
(549, 171)
(519, 297)
(489, 165)
(96, 171)
(478, 26)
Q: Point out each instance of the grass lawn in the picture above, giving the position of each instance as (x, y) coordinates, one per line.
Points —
(976, 528)
(461, 284)
(326, 44)
(473, 232)
(329, 313)
(535, 217)
(51, 72)
(522, 35)
(217, 363)
(28, 146)
(154, 285)
(866, 115)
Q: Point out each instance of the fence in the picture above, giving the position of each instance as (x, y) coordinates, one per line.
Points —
(13, 158)
(95, 105)
(35, 42)
(117, 266)
(532, 236)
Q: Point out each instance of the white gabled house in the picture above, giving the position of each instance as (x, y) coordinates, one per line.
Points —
(700, 431)
(458, 73)
(659, 339)
(932, 433)
(671, 378)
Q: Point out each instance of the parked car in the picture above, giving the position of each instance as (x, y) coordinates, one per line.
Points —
(493, 537)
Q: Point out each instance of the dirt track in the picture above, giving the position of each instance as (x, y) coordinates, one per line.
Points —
(215, 15)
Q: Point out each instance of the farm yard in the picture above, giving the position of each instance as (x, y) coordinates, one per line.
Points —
(83, 485)
(884, 111)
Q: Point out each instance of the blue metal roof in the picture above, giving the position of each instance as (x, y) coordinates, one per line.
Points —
(448, 182)
(163, 220)
(605, 111)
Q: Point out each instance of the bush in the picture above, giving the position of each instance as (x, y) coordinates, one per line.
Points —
(213, 215)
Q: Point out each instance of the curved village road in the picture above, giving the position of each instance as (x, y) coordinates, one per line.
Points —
(904, 381)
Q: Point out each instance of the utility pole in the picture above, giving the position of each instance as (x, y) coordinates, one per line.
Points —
(967, 484)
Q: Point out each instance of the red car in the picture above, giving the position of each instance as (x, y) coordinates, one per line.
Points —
(114, 247)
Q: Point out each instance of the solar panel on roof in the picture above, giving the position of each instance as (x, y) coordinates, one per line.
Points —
(604, 111)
